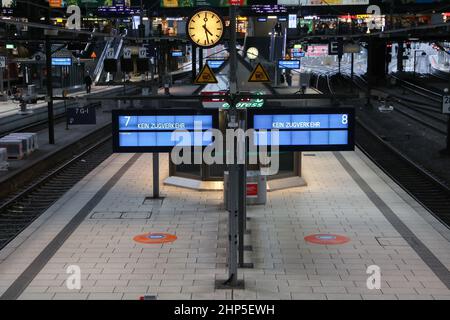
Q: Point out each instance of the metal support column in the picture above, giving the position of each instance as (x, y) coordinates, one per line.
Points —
(51, 121)
(400, 56)
(156, 194)
(194, 62)
(234, 181)
(200, 59)
(352, 66)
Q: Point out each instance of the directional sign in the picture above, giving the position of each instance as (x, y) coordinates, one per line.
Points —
(127, 53)
(2, 62)
(110, 53)
(335, 48)
(352, 48)
(143, 52)
(206, 76)
(446, 104)
(81, 115)
(259, 74)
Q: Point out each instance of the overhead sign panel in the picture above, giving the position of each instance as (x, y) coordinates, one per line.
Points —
(305, 129)
(215, 63)
(160, 131)
(259, 74)
(206, 76)
(62, 61)
(288, 64)
(81, 115)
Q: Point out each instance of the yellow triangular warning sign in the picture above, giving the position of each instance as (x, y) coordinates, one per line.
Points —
(206, 76)
(93, 55)
(259, 74)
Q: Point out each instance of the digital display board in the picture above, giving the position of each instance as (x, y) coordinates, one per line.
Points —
(62, 61)
(289, 64)
(157, 131)
(177, 53)
(305, 129)
(215, 63)
(297, 53)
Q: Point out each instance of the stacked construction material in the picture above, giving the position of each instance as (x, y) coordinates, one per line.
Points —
(19, 145)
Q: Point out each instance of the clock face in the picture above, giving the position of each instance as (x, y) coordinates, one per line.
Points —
(205, 28)
(252, 53)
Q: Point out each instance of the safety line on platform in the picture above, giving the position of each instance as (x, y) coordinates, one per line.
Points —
(27, 276)
(438, 268)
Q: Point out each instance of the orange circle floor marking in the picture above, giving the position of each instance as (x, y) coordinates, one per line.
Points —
(155, 238)
(326, 239)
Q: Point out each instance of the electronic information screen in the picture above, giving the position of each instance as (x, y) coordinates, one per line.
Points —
(177, 53)
(156, 131)
(62, 61)
(305, 129)
(216, 63)
(288, 64)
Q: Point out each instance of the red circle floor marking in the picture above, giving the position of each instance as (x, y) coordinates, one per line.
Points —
(155, 238)
(326, 239)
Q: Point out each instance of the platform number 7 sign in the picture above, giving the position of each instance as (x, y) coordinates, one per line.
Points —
(446, 104)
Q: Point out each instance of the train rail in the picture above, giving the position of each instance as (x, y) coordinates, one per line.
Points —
(428, 190)
(21, 210)
(433, 194)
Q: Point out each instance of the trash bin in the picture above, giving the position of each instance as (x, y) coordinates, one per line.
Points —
(256, 188)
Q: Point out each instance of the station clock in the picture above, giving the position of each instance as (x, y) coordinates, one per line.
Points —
(205, 28)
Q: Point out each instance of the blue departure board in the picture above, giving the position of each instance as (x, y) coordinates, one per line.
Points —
(62, 61)
(216, 63)
(152, 131)
(305, 129)
(288, 64)
(177, 53)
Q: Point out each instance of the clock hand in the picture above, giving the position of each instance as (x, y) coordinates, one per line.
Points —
(206, 30)
(207, 38)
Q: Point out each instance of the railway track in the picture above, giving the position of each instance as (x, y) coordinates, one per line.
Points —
(426, 189)
(412, 109)
(28, 204)
(433, 194)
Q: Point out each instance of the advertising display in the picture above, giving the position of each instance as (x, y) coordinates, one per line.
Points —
(317, 50)
(200, 3)
(213, 3)
(306, 129)
(154, 131)
(322, 2)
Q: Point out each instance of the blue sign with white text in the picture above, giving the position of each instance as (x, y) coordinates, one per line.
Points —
(215, 64)
(309, 129)
(288, 64)
(61, 61)
(151, 131)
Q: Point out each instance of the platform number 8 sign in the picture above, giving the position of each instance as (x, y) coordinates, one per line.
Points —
(446, 104)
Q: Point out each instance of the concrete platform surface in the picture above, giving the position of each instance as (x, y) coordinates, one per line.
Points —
(92, 227)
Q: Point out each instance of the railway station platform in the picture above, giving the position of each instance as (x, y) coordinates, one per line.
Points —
(93, 227)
